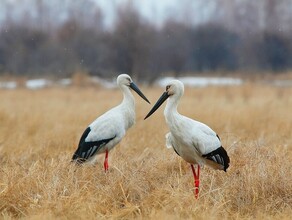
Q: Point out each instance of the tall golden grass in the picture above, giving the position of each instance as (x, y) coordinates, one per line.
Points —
(40, 130)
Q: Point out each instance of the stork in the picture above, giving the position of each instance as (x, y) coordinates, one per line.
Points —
(108, 129)
(194, 141)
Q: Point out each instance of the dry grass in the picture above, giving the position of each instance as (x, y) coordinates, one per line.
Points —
(39, 131)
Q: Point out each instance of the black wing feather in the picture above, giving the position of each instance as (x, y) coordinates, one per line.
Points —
(219, 156)
(86, 149)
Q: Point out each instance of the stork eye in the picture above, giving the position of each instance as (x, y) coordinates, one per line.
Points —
(167, 87)
(128, 81)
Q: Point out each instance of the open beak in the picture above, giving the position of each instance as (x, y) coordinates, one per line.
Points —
(162, 99)
(138, 91)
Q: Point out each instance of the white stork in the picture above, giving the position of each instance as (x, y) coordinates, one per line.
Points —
(108, 129)
(194, 141)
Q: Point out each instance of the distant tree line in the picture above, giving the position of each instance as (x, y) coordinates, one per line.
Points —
(133, 45)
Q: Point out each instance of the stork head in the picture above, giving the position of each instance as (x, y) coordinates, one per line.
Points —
(126, 80)
(174, 89)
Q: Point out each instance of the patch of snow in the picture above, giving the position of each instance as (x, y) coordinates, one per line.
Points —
(202, 81)
(282, 83)
(65, 82)
(8, 85)
(104, 83)
(37, 83)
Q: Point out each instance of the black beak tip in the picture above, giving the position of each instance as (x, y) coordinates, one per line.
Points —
(138, 91)
(146, 100)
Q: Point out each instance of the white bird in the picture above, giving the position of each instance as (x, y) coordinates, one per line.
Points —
(108, 130)
(194, 141)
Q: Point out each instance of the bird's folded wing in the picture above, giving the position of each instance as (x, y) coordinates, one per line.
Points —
(87, 149)
(219, 156)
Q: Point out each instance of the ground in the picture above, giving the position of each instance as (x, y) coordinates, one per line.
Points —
(40, 130)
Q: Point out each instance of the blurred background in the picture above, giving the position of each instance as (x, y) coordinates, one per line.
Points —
(147, 38)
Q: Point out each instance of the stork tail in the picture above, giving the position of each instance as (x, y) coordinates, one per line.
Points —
(218, 157)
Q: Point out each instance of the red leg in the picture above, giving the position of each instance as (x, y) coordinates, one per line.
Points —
(106, 161)
(197, 179)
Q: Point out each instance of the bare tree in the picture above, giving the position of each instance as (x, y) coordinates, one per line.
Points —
(131, 42)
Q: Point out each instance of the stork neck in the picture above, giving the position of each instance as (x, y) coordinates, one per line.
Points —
(128, 98)
(170, 110)
(128, 107)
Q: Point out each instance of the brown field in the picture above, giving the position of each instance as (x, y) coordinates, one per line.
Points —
(39, 131)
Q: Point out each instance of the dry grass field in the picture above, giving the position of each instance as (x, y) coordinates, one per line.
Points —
(40, 130)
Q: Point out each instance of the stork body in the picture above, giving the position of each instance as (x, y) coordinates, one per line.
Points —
(194, 141)
(108, 130)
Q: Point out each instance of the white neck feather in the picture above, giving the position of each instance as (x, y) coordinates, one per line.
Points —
(128, 98)
(170, 112)
(128, 106)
